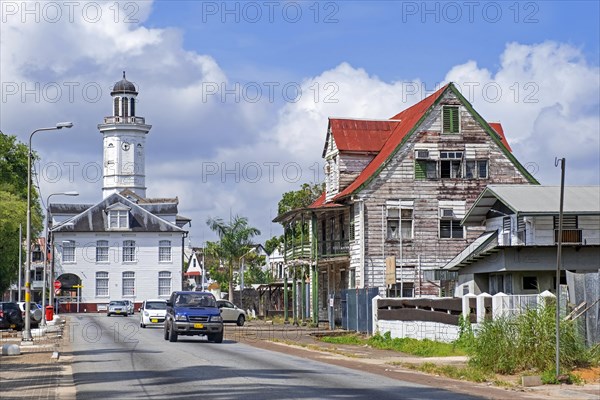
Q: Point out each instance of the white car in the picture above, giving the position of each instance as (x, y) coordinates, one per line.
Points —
(153, 312)
(130, 307)
(231, 313)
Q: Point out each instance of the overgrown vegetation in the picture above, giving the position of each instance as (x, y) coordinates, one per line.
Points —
(422, 348)
(526, 342)
(467, 373)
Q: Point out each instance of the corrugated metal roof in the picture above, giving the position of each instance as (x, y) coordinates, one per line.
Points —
(360, 135)
(535, 199)
(479, 246)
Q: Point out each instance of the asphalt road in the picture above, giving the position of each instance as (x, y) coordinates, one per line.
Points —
(114, 358)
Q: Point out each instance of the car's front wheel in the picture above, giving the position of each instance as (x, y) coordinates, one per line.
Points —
(216, 337)
(241, 319)
(172, 334)
(142, 325)
(166, 331)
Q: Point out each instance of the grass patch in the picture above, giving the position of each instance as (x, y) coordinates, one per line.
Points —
(467, 373)
(422, 348)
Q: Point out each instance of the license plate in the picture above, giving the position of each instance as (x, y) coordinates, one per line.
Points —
(198, 326)
(118, 312)
(12, 326)
(154, 320)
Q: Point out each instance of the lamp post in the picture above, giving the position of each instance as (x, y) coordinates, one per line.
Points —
(45, 279)
(27, 329)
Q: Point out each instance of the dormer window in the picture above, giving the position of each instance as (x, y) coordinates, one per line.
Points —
(118, 216)
(118, 219)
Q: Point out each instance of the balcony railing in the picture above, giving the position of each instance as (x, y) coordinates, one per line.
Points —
(569, 236)
(124, 120)
(297, 250)
(330, 248)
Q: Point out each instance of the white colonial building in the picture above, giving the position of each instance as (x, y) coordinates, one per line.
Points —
(126, 246)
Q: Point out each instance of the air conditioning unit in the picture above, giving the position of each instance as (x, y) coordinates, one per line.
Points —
(447, 213)
(422, 154)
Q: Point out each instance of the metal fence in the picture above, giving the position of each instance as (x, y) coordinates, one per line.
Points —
(357, 309)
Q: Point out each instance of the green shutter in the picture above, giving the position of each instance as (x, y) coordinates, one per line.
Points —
(450, 120)
(420, 169)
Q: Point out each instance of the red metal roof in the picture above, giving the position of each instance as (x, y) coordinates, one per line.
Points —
(360, 135)
(320, 203)
(408, 119)
(497, 126)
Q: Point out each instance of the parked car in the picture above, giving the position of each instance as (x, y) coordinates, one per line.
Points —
(231, 313)
(35, 311)
(193, 313)
(10, 316)
(117, 307)
(153, 312)
(130, 307)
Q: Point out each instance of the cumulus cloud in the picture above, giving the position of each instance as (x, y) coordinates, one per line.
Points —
(225, 146)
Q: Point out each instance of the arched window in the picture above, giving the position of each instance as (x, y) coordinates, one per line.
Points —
(164, 283)
(133, 107)
(125, 107)
(101, 284)
(116, 109)
(128, 283)
(164, 251)
(129, 251)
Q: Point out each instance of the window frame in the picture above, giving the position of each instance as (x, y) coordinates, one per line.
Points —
(162, 249)
(129, 255)
(103, 278)
(128, 277)
(451, 228)
(120, 219)
(102, 253)
(162, 277)
(72, 246)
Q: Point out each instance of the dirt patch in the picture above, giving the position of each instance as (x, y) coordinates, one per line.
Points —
(590, 375)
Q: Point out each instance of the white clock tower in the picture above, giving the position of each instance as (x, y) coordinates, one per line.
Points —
(124, 143)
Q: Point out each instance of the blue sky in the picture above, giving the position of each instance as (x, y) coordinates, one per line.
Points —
(358, 59)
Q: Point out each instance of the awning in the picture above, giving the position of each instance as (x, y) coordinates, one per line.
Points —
(475, 250)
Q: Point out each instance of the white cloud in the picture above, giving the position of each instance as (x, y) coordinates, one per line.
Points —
(208, 149)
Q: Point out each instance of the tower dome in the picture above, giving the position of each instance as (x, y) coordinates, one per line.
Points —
(123, 87)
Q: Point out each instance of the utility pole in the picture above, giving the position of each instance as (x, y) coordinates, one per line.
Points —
(558, 259)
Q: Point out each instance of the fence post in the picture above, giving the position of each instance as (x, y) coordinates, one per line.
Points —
(481, 306)
(375, 309)
(499, 305)
(466, 305)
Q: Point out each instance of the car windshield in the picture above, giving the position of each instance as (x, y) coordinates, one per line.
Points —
(195, 300)
(156, 305)
(117, 303)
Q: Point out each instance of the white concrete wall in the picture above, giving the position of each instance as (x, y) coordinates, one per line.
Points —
(146, 267)
(419, 330)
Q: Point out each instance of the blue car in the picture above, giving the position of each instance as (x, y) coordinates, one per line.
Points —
(193, 313)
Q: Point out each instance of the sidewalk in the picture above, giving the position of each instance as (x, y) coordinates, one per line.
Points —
(38, 372)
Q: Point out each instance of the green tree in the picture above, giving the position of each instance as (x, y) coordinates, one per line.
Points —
(235, 240)
(271, 244)
(304, 197)
(253, 273)
(13, 207)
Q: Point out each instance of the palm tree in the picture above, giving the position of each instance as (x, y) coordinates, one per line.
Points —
(235, 240)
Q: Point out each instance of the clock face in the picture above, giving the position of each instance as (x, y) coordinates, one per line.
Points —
(125, 146)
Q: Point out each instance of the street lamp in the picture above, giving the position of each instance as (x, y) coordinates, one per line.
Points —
(27, 329)
(45, 279)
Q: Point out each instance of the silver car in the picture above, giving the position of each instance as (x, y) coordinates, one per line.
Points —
(118, 307)
(130, 306)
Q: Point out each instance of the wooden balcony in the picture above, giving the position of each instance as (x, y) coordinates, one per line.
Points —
(332, 248)
(294, 251)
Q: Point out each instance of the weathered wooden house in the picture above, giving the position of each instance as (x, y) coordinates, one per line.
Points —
(396, 191)
(517, 252)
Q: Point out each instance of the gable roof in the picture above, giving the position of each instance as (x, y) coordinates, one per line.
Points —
(497, 126)
(409, 120)
(95, 218)
(359, 135)
(535, 200)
